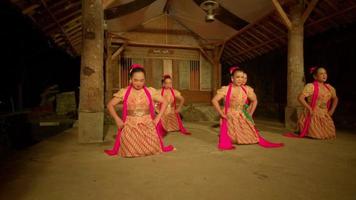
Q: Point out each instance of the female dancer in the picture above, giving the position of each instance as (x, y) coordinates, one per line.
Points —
(316, 121)
(171, 120)
(137, 129)
(237, 125)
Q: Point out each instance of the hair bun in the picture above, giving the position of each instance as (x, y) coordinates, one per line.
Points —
(166, 76)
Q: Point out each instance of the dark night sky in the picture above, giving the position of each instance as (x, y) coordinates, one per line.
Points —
(30, 59)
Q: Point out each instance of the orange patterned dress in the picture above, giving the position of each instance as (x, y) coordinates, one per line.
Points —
(240, 129)
(321, 125)
(169, 117)
(139, 135)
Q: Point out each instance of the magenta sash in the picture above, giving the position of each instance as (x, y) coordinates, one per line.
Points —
(224, 139)
(116, 147)
(179, 120)
(307, 120)
(261, 141)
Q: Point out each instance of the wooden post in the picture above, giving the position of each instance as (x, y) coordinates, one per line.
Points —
(108, 69)
(295, 71)
(216, 72)
(91, 104)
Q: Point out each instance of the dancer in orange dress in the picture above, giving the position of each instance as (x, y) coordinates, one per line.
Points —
(171, 120)
(237, 125)
(320, 101)
(137, 129)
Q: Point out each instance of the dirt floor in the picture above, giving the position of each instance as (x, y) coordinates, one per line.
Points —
(60, 168)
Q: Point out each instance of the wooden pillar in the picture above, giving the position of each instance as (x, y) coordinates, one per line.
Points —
(108, 69)
(215, 78)
(216, 72)
(295, 71)
(91, 104)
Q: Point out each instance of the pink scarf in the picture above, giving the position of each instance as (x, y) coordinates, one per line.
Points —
(179, 120)
(224, 139)
(307, 120)
(116, 147)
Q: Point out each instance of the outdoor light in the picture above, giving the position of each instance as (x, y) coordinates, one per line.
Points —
(209, 6)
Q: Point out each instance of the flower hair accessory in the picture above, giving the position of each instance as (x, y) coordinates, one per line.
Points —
(312, 70)
(134, 66)
(232, 69)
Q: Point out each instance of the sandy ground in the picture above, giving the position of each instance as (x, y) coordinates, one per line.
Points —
(60, 168)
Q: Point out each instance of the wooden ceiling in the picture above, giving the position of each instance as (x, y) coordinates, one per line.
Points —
(270, 33)
(61, 20)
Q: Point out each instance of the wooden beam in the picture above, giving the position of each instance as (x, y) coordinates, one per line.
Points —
(241, 39)
(57, 4)
(77, 37)
(249, 46)
(226, 53)
(75, 31)
(195, 35)
(107, 3)
(271, 33)
(258, 46)
(235, 45)
(331, 4)
(29, 10)
(332, 15)
(126, 8)
(257, 38)
(267, 29)
(73, 27)
(240, 44)
(130, 43)
(282, 14)
(235, 61)
(221, 50)
(118, 52)
(78, 42)
(74, 20)
(59, 26)
(262, 35)
(275, 27)
(251, 25)
(233, 49)
(206, 55)
(67, 8)
(78, 12)
(309, 9)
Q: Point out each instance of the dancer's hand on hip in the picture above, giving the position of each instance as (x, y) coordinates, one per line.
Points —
(223, 115)
(120, 124)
